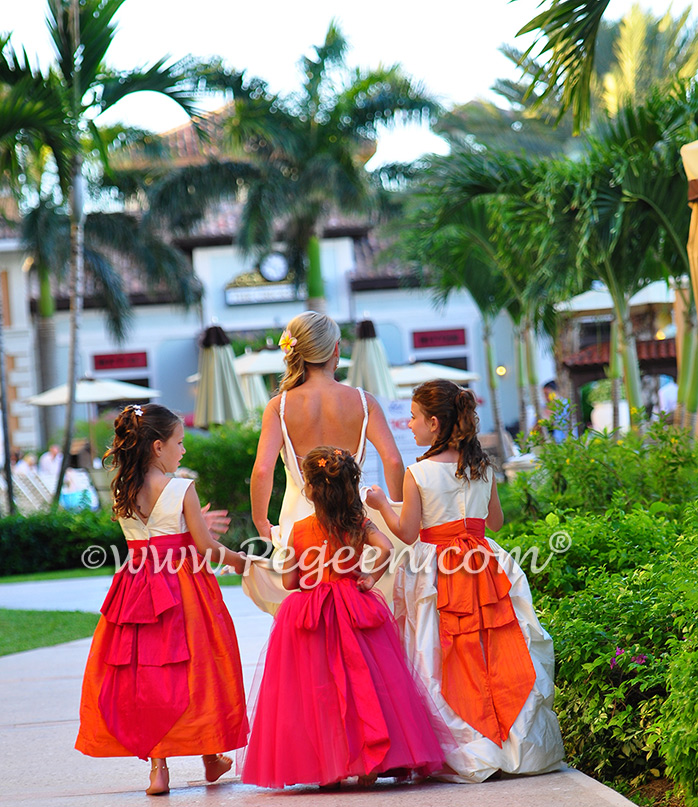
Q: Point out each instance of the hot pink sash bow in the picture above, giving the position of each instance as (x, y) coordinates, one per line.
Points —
(145, 690)
(355, 611)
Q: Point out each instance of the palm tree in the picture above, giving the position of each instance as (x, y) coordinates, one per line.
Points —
(25, 111)
(649, 52)
(298, 156)
(82, 87)
(461, 255)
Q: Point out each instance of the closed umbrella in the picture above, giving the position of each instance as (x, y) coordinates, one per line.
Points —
(219, 397)
(369, 363)
(254, 391)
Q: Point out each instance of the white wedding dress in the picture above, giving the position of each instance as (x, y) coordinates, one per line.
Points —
(262, 583)
(534, 744)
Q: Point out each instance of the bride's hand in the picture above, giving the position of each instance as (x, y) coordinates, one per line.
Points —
(264, 529)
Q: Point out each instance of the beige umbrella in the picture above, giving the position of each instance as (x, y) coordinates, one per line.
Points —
(369, 364)
(409, 376)
(254, 391)
(266, 362)
(94, 390)
(219, 397)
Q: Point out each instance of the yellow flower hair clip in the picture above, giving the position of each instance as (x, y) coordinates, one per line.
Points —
(322, 462)
(287, 342)
(338, 452)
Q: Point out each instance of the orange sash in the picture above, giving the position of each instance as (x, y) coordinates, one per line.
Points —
(487, 672)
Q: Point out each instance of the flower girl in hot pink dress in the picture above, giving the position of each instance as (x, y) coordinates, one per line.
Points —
(336, 697)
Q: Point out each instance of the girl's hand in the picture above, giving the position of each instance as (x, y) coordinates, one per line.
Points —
(375, 497)
(217, 521)
(365, 582)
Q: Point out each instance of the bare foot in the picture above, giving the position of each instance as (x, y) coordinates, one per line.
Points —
(159, 778)
(368, 780)
(216, 765)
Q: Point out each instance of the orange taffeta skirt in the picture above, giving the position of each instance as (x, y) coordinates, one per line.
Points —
(163, 677)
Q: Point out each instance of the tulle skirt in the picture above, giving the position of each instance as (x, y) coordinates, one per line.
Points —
(336, 698)
(163, 677)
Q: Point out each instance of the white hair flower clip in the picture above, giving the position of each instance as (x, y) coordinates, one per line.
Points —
(137, 411)
(287, 342)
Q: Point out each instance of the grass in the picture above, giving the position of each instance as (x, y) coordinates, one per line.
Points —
(63, 574)
(27, 630)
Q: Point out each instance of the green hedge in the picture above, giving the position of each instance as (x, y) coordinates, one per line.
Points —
(223, 459)
(56, 540)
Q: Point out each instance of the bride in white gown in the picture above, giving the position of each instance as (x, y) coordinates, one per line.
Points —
(312, 410)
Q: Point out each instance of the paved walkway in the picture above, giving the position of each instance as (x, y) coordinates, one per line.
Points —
(40, 691)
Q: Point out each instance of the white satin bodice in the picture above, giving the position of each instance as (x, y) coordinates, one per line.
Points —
(166, 517)
(446, 498)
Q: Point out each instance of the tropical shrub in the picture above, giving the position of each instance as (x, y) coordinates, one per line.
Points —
(591, 473)
(613, 644)
(559, 552)
(56, 540)
(223, 460)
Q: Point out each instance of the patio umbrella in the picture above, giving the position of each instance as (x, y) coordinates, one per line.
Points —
(369, 364)
(94, 390)
(254, 391)
(91, 391)
(409, 376)
(219, 396)
(266, 362)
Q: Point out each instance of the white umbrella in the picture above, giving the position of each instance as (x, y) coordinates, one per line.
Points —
(409, 376)
(369, 363)
(254, 391)
(94, 390)
(266, 362)
(218, 395)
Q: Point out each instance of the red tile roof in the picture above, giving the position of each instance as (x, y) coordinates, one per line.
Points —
(647, 350)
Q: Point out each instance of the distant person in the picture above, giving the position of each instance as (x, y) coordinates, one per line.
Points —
(558, 411)
(668, 397)
(25, 465)
(163, 677)
(50, 461)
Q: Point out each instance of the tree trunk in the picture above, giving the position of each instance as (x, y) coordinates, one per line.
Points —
(631, 366)
(493, 385)
(316, 286)
(77, 267)
(686, 365)
(4, 402)
(46, 354)
(533, 390)
(615, 374)
(521, 381)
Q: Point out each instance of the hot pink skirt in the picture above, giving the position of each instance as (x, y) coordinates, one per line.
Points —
(336, 698)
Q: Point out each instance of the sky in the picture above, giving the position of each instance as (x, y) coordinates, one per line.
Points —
(449, 45)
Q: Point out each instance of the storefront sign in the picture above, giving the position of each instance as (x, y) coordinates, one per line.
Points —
(447, 338)
(119, 361)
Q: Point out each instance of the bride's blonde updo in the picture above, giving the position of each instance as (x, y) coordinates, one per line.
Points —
(315, 336)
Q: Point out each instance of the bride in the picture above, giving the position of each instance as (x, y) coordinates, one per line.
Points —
(312, 409)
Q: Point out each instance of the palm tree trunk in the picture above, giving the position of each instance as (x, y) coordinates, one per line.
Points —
(4, 402)
(628, 353)
(316, 287)
(615, 374)
(46, 353)
(691, 393)
(493, 385)
(533, 391)
(521, 381)
(686, 365)
(77, 270)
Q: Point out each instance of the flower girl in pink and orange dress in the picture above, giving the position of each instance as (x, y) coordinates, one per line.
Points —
(336, 698)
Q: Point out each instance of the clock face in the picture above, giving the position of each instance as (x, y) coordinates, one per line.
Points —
(273, 267)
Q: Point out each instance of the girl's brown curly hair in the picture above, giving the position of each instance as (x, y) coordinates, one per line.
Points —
(130, 454)
(334, 476)
(454, 408)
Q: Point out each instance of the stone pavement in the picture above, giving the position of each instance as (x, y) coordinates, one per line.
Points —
(40, 691)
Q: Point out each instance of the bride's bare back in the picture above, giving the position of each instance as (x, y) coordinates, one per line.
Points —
(331, 416)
